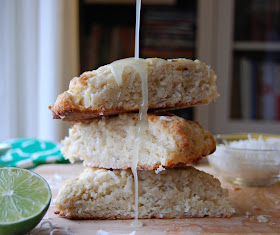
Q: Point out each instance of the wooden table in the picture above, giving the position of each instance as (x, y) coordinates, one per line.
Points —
(249, 202)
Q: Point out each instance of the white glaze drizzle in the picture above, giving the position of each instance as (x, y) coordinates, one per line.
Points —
(141, 67)
(137, 29)
(117, 67)
(142, 123)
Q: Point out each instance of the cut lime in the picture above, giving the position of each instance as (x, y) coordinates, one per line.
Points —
(24, 200)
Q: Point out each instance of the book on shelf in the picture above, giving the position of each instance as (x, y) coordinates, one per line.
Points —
(248, 88)
(257, 20)
(267, 93)
(149, 2)
(94, 46)
(276, 86)
(167, 29)
(235, 99)
(265, 16)
(168, 53)
(115, 44)
(245, 78)
(166, 36)
(165, 32)
(106, 44)
(259, 89)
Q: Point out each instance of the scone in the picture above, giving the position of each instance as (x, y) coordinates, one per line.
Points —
(173, 193)
(117, 88)
(169, 141)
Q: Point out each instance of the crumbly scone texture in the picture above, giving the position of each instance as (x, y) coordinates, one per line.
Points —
(169, 141)
(172, 84)
(173, 193)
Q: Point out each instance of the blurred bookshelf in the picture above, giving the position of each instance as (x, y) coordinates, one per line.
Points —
(146, 2)
(107, 30)
(256, 61)
(241, 42)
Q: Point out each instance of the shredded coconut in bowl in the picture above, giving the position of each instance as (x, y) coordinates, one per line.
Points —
(256, 144)
(248, 162)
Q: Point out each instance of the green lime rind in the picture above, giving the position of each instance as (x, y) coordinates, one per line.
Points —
(24, 199)
(24, 226)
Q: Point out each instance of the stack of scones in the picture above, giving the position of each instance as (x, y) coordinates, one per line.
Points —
(105, 104)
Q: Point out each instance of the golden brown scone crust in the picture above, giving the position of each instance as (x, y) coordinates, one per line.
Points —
(169, 141)
(173, 193)
(172, 84)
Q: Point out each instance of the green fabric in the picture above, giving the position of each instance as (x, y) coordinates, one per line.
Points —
(29, 153)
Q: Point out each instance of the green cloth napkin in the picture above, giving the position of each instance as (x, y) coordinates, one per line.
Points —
(29, 153)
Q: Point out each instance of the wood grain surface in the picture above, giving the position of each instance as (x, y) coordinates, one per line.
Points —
(249, 202)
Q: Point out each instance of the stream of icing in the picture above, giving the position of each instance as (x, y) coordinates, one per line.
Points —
(141, 67)
(142, 122)
(137, 29)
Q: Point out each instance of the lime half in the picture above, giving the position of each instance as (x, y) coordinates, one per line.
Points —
(24, 200)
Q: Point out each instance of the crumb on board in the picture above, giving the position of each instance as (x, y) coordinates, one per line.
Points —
(248, 214)
(262, 219)
(236, 188)
(256, 208)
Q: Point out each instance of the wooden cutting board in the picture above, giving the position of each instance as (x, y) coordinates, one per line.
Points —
(254, 201)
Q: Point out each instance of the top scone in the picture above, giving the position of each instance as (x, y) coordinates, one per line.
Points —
(172, 84)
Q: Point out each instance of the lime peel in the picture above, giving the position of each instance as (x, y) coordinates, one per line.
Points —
(24, 199)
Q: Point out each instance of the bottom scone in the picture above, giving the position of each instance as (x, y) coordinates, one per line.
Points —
(172, 193)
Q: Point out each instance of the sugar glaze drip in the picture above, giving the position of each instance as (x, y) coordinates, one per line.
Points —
(141, 67)
(142, 123)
